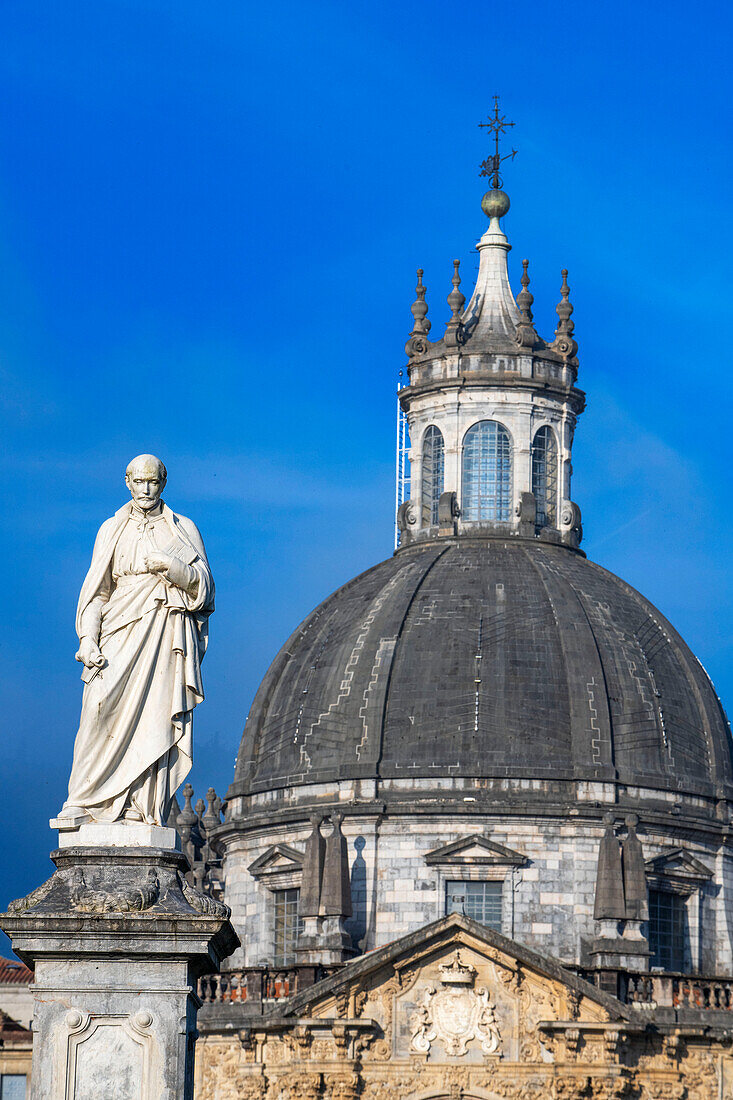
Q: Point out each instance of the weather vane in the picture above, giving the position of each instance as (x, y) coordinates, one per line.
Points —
(496, 125)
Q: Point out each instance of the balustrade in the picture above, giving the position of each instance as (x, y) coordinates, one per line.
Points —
(253, 984)
(680, 991)
(644, 991)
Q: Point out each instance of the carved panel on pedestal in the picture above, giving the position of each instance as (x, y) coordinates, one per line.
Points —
(111, 1055)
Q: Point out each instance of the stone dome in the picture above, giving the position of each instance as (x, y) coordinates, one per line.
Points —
(477, 660)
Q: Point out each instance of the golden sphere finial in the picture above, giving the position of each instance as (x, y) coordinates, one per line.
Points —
(495, 203)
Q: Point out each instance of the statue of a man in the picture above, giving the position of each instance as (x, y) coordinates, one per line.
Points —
(142, 622)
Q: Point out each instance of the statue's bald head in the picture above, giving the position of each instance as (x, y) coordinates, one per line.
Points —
(146, 465)
(146, 477)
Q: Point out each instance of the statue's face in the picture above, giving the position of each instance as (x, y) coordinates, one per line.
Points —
(145, 484)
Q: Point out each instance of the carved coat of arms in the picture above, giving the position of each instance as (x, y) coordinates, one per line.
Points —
(455, 1014)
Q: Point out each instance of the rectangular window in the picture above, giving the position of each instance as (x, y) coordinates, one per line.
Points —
(479, 900)
(667, 929)
(288, 926)
(13, 1086)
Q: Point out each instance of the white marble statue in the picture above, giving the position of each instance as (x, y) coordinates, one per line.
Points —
(142, 622)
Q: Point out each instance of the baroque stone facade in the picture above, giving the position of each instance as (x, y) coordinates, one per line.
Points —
(457, 1011)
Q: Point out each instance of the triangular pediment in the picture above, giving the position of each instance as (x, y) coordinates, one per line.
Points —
(280, 857)
(475, 850)
(676, 862)
(451, 957)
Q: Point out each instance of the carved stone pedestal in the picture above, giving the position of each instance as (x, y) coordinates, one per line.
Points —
(118, 939)
(624, 953)
(323, 941)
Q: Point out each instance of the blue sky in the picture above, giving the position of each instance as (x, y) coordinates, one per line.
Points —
(210, 220)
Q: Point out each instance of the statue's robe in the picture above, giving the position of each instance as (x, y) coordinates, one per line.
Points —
(134, 745)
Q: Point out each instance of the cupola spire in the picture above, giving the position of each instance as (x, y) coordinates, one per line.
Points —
(492, 315)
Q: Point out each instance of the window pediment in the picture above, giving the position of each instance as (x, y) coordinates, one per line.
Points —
(475, 851)
(677, 866)
(280, 859)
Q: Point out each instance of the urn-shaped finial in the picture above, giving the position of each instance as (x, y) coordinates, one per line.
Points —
(526, 333)
(418, 343)
(564, 342)
(456, 300)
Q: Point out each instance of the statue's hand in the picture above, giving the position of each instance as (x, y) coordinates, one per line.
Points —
(90, 654)
(157, 563)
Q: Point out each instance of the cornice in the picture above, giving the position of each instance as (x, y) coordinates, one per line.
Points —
(501, 380)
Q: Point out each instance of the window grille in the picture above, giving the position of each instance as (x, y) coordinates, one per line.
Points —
(479, 900)
(544, 477)
(433, 472)
(667, 929)
(288, 926)
(487, 472)
(13, 1086)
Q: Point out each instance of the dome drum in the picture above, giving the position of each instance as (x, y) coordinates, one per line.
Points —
(543, 868)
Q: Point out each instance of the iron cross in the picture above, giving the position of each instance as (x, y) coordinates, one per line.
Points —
(496, 125)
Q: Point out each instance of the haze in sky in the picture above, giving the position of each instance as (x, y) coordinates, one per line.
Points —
(210, 221)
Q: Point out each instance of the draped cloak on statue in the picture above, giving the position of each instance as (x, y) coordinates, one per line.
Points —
(134, 745)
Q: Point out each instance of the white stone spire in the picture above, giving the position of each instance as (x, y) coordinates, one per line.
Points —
(492, 312)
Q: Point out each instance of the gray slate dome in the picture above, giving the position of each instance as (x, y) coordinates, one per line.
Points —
(487, 658)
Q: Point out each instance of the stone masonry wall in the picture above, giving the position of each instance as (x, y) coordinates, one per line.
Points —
(547, 904)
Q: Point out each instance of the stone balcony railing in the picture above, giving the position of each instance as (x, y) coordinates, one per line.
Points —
(680, 991)
(256, 986)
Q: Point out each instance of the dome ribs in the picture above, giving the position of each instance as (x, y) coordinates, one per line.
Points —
(323, 715)
(353, 720)
(679, 717)
(637, 723)
(488, 664)
(696, 719)
(380, 691)
(477, 710)
(691, 734)
(590, 720)
(269, 755)
(330, 725)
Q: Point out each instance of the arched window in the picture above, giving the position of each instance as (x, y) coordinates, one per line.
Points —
(544, 476)
(487, 472)
(433, 465)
